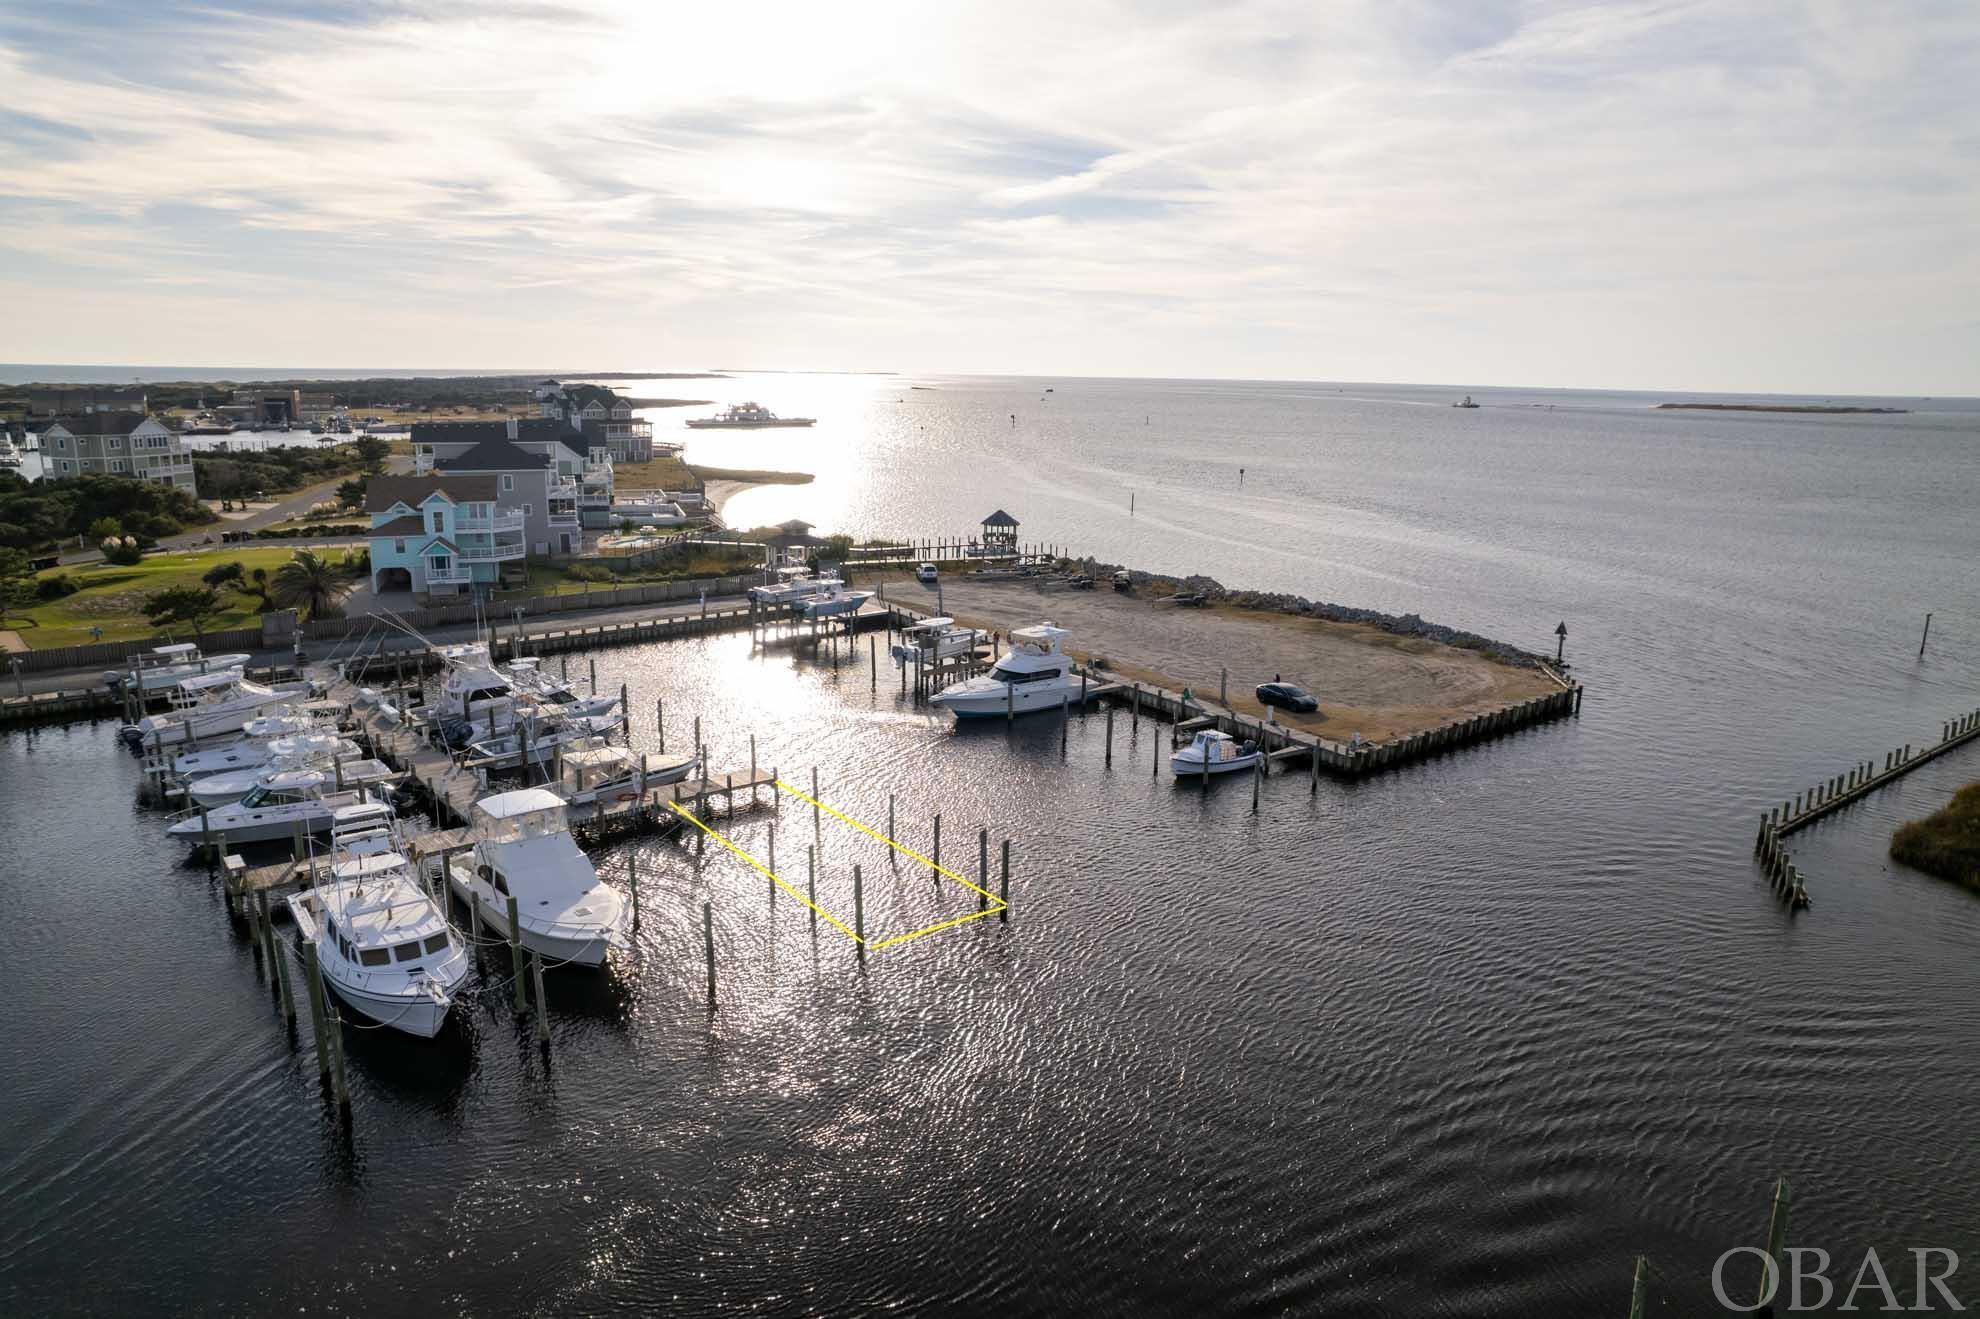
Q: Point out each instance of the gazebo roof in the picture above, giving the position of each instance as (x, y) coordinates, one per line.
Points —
(1000, 519)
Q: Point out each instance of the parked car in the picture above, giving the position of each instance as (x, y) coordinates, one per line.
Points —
(926, 572)
(1287, 696)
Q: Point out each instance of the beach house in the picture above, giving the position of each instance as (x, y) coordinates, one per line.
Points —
(442, 535)
(547, 468)
(602, 415)
(116, 444)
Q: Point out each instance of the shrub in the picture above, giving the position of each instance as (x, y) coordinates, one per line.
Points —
(220, 574)
(54, 588)
(122, 551)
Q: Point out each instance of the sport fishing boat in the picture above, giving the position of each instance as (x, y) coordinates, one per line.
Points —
(308, 761)
(747, 416)
(1035, 674)
(478, 699)
(164, 667)
(536, 737)
(256, 749)
(793, 586)
(523, 850)
(273, 811)
(835, 600)
(602, 776)
(209, 705)
(1219, 752)
(382, 944)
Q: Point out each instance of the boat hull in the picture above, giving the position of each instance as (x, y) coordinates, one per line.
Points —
(586, 949)
(420, 1015)
(995, 705)
(1192, 768)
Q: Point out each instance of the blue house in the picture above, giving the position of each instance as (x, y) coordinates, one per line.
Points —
(441, 535)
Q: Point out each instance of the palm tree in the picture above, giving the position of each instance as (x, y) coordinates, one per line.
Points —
(309, 584)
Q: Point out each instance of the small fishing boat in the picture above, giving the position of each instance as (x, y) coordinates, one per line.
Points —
(1034, 674)
(275, 809)
(933, 639)
(164, 667)
(382, 944)
(1216, 753)
(536, 739)
(254, 751)
(601, 776)
(318, 765)
(793, 586)
(835, 601)
(523, 851)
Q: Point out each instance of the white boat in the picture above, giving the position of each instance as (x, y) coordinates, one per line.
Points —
(933, 639)
(479, 700)
(273, 811)
(536, 738)
(597, 775)
(164, 667)
(556, 696)
(207, 706)
(315, 767)
(382, 944)
(523, 850)
(1035, 674)
(1219, 751)
(835, 600)
(252, 753)
(793, 586)
(746, 416)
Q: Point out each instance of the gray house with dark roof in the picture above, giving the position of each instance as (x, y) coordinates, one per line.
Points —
(543, 469)
(117, 444)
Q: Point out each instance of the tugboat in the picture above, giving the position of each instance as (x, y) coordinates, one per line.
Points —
(747, 416)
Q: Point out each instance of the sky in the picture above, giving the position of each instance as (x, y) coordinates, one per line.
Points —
(1746, 195)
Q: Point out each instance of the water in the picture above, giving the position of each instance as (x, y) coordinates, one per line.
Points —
(1459, 1040)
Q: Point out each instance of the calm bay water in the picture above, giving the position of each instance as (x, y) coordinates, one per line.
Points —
(1459, 1040)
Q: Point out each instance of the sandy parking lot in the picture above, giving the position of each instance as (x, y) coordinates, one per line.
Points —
(1369, 681)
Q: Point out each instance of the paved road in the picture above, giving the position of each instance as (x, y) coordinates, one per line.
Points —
(288, 506)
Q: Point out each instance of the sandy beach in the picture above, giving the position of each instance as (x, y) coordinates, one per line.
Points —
(1368, 681)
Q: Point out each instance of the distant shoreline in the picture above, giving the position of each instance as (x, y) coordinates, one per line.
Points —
(1775, 407)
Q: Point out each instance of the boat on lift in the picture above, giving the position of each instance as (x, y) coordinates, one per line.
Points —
(1034, 674)
(1216, 753)
(747, 416)
(835, 600)
(164, 667)
(382, 943)
(523, 850)
(934, 639)
(794, 585)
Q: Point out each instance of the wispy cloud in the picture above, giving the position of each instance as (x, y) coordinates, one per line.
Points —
(1755, 193)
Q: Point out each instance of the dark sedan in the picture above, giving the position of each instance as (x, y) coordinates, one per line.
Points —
(1287, 697)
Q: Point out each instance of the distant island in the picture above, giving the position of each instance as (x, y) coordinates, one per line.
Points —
(1775, 407)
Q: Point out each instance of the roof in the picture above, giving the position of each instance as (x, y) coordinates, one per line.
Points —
(409, 525)
(497, 455)
(205, 680)
(504, 805)
(101, 423)
(381, 492)
(1000, 519)
(443, 543)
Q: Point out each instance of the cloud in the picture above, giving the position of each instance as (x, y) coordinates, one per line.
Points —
(1538, 192)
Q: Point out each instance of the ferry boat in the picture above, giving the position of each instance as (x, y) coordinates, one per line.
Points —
(1219, 752)
(1466, 404)
(208, 705)
(523, 850)
(747, 416)
(164, 667)
(382, 944)
(273, 810)
(1035, 674)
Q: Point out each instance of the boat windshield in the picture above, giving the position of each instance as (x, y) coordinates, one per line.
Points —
(530, 824)
(1002, 674)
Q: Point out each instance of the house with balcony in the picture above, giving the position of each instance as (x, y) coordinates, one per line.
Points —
(117, 444)
(442, 535)
(545, 468)
(601, 415)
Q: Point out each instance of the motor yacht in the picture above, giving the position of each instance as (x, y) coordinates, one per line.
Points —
(382, 943)
(523, 850)
(274, 810)
(1034, 674)
(209, 705)
(1219, 751)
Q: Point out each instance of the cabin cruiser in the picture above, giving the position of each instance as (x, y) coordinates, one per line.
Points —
(523, 850)
(835, 601)
(601, 775)
(382, 944)
(313, 760)
(207, 705)
(933, 639)
(747, 416)
(1219, 752)
(1035, 674)
(274, 810)
(164, 667)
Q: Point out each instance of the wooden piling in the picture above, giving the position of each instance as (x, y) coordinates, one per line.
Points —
(542, 1003)
(339, 1082)
(859, 914)
(817, 820)
(982, 869)
(1110, 737)
(1004, 884)
(811, 884)
(1777, 1223)
(515, 951)
(1257, 777)
(773, 862)
(935, 858)
(313, 983)
(708, 947)
(660, 721)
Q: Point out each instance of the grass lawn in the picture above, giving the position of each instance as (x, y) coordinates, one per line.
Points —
(655, 474)
(113, 597)
(555, 579)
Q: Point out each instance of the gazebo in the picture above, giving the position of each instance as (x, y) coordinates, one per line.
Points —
(794, 542)
(1000, 533)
